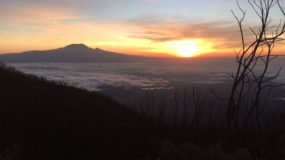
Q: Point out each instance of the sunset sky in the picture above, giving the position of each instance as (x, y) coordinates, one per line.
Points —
(140, 27)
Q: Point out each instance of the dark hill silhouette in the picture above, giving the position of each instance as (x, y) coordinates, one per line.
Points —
(70, 53)
(49, 120)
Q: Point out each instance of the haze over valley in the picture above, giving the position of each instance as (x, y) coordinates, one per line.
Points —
(114, 73)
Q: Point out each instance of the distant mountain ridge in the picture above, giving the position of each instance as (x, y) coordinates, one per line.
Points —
(73, 53)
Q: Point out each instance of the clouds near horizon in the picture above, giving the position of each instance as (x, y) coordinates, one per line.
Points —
(132, 26)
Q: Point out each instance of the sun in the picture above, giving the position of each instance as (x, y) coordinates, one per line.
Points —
(188, 50)
(184, 48)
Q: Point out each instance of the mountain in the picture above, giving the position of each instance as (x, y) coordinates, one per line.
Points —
(41, 119)
(71, 53)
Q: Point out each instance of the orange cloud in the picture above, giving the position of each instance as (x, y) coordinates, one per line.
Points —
(36, 14)
(157, 29)
(222, 36)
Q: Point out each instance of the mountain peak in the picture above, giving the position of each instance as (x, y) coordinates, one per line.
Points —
(99, 49)
(79, 46)
(71, 53)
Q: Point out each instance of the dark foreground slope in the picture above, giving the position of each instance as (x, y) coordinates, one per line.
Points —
(43, 120)
(47, 120)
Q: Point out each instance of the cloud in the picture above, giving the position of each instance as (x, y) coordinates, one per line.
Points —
(35, 13)
(81, 5)
(159, 29)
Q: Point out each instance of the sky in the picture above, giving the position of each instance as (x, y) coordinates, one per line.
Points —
(137, 27)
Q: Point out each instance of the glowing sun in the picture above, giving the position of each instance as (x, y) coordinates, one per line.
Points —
(186, 48)
(188, 51)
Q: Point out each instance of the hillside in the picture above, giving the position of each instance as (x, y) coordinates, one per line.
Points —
(48, 120)
(74, 53)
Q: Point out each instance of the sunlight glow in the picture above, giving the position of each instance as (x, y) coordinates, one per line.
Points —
(181, 48)
(188, 49)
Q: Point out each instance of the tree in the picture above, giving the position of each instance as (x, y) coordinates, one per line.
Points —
(250, 84)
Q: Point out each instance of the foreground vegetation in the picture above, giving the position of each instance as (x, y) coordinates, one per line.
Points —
(41, 119)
